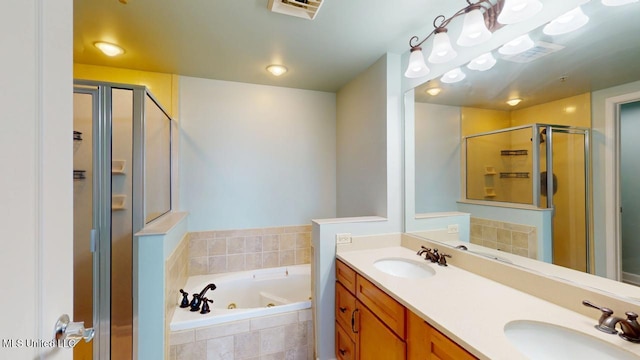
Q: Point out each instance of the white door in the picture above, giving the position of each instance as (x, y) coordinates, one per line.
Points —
(36, 205)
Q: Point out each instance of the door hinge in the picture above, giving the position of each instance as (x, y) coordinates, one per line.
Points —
(94, 241)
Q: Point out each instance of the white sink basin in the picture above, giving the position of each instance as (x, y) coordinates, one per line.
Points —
(404, 268)
(538, 340)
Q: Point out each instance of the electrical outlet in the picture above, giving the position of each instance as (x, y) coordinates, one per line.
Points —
(343, 238)
(452, 229)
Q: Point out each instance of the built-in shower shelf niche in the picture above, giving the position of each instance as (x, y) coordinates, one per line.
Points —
(118, 202)
(118, 166)
(489, 192)
(514, 152)
(490, 170)
(514, 175)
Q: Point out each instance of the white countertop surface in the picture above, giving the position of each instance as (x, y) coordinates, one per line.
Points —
(469, 309)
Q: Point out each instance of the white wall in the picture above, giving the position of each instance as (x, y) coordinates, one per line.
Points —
(254, 155)
(362, 144)
(437, 157)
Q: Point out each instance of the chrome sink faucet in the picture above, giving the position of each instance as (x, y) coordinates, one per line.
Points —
(607, 323)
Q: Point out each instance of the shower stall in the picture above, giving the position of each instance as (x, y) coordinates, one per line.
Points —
(122, 181)
(537, 166)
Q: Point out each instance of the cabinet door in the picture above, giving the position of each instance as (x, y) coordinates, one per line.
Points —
(345, 306)
(345, 346)
(425, 342)
(375, 340)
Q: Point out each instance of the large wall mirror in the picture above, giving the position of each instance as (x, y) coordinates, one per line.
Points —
(472, 152)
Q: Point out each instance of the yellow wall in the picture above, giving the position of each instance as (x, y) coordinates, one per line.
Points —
(571, 111)
(164, 87)
(474, 121)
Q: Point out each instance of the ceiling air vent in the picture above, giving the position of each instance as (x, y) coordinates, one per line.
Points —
(540, 49)
(306, 9)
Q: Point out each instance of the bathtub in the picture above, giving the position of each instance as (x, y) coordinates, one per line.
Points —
(246, 294)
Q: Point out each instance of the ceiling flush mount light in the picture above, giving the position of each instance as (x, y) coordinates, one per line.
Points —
(433, 91)
(517, 45)
(479, 21)
(568, 22)
(617, 2)
(276, 70)
(483, 62)
(514, 102)
(109, 49)
(417, 67)
(515, 11)
(453, 76)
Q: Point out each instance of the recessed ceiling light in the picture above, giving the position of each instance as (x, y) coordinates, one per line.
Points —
(514, 102)
(433, 91)
(276, 70)
(109, 49)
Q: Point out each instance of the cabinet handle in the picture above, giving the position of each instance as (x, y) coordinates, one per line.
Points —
(353, 321)
(342, 309)
(342, 351)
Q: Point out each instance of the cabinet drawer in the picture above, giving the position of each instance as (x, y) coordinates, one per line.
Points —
(345, 306)
(346, 276)
(345, 347)
(425, 342)
(384, 306)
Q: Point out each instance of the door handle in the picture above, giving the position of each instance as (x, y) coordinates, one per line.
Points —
(73, 332)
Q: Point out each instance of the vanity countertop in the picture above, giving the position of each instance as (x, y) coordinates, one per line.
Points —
(470, 309)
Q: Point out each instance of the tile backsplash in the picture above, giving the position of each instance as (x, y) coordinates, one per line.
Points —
(512, 238)
(212, 252)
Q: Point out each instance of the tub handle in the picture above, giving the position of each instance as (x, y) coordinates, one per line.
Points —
(342, 309)
(353, 321)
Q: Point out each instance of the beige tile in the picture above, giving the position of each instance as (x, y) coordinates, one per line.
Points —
(287, 257)
(504, 236)
(197, 248)
(217, 264)
(235, 262)
(287, 241)
(270, 259)
(297, 229)
(253, 244)
(253, 261)
(490, 244)
(476, 240)
(191, 351)
(272, 340)
(489, 233)
(302, 256)
(521, 251)
(172, 352)
(199, 265)
(305, 315)
(247, 345)
(505, 248)
(521, 239)
(181, 337)
(235, 245)
(217, 247)
(303, 240)
(274, 320)
(295, 335)
(274, 230)
(533, 244)
(297, 353)
(476, 230)
(270, 243)
(521, 228)
(219, 349)
(274, 356)
(223, 330)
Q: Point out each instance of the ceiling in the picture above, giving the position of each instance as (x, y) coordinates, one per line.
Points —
(602, 54)
(236, 39)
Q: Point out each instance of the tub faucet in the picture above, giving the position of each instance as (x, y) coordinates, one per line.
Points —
(197, 298)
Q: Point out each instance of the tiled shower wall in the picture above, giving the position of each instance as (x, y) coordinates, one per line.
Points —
(212, 252)
(512, 238)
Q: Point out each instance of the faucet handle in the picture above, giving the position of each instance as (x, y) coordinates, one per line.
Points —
(630, 328)
(607, 322)
(443, 259)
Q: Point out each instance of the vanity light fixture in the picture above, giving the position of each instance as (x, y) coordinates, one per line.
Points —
(483, 62)
(568, 22)
(109, 49)
(479, 21)
(617, 2)
(517, 45)
(434, 91)
(515, 11)
(276, 70)
(514, 101)
(453, 76)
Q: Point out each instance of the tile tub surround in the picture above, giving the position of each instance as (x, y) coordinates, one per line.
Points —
(283, 336)
(213, 252)
(508, 237)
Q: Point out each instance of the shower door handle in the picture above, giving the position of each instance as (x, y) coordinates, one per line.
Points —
(68, 333)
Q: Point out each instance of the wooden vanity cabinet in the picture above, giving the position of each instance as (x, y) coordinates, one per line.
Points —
(372, 325)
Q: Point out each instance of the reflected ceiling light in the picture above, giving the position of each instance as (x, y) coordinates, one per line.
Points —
(517, 45)
(453, 76)
(617, 2)
(474, 30)
(570, 21)
(277, 70)
(482, 63)
(109, 49)
(515, 11)
(433, 91)
(514, 102)
(417, 67)
(442, 50)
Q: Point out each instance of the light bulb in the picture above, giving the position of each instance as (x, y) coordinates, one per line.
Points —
(514, 102)
(515, 11)
(474, 30)
(276, 70)
(109, 49)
